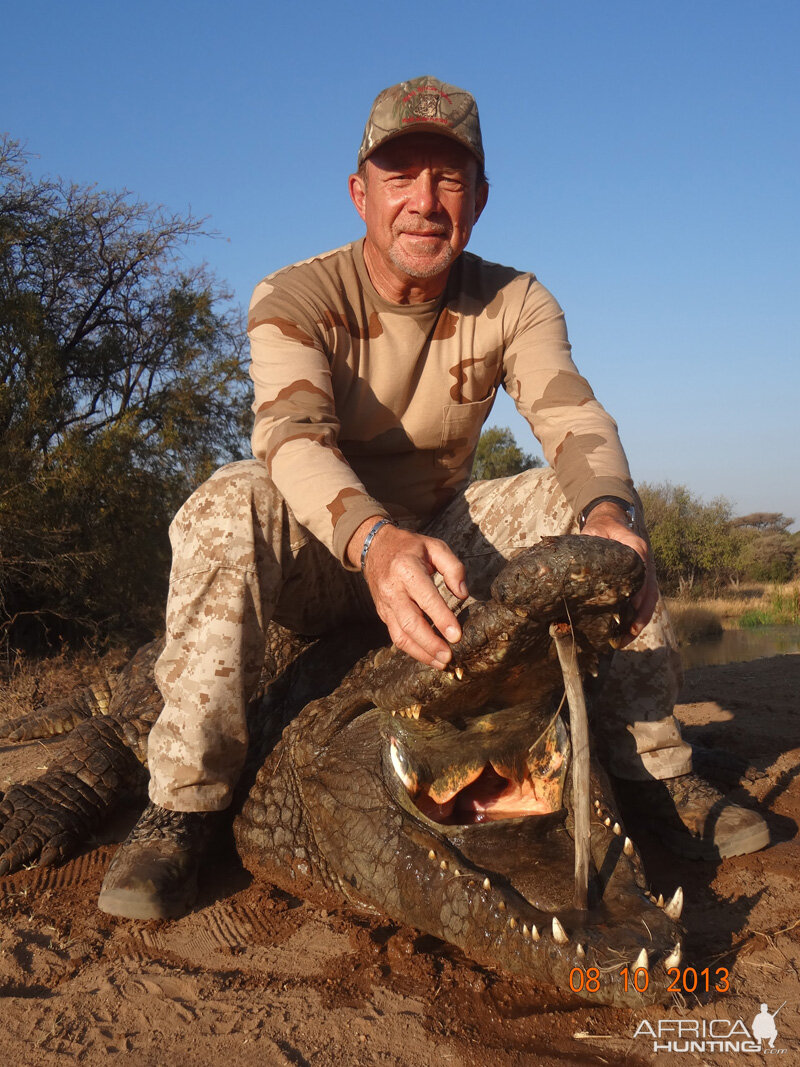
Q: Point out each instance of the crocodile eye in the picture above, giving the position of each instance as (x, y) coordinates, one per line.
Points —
(402, 768)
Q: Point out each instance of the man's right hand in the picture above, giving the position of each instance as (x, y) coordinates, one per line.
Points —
(399, 570)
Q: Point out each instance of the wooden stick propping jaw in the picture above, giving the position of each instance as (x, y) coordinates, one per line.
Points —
(579, 731)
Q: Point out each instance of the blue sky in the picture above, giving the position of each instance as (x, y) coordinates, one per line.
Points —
(644, 160)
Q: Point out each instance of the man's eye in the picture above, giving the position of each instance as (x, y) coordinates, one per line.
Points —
(452, 184)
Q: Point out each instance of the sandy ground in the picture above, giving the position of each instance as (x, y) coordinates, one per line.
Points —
(254, 976)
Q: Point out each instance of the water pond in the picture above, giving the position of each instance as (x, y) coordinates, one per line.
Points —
(736, 646)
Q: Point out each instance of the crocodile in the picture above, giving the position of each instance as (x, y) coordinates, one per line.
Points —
(439, 799)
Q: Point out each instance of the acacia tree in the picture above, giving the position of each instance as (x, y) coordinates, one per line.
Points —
(693, 542)
(498, 455)
(122, 385)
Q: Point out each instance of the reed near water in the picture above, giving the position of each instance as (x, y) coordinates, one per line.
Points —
(743, 607)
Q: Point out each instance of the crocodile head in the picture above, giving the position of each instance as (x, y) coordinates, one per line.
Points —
(444, 799)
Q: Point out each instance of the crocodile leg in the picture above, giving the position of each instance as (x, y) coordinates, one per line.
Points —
(48, 818)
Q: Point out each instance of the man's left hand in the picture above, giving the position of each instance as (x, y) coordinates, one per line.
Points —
(608, 520)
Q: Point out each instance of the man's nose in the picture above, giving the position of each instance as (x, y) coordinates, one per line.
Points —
(423, 194)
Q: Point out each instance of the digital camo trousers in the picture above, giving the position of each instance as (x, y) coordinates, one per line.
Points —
(240, 558)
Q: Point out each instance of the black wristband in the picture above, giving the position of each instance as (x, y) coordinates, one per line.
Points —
(623, 504)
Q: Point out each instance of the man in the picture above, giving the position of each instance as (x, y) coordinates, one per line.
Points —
(374, 369)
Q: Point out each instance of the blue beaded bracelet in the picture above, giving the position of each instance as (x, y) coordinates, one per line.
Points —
(368, 539)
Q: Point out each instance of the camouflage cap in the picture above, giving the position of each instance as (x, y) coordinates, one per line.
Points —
(423, 103)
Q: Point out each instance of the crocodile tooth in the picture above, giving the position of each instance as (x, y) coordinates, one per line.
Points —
(627, 847)
(512, 922)
(616, 619)
(456, 872)
(660, 901)
(487, 884)
(580, 951)
(394, 712)
(642, 962)
(617, 829)
(597, 804)
(525, 931)
(502, 905)
(534, 933)
(459, 673)
(443, 865)
(431, 855)
(559, 933)
(606, 821)
(503, 636)
(674, 958)
(674, 906)
(415, 709)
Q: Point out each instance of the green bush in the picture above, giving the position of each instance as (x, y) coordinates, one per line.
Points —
(122, 385)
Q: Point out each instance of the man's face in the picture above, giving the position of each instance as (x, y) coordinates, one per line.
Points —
(420, 199)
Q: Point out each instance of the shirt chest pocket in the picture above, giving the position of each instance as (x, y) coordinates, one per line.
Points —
(461, 429)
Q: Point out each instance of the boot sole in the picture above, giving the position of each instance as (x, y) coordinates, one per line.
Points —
(134, 904)
(751, 840)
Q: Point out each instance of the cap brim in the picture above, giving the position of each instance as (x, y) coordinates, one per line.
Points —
(423, 127)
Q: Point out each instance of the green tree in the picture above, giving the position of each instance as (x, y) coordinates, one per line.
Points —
(694, 543)
(769, 553)
(498, 455)
(122, 385)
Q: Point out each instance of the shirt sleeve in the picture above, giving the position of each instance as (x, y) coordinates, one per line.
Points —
(296, 430)
(578, 437)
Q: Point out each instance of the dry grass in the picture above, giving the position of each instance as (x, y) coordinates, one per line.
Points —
(728, 609)
(28, 683)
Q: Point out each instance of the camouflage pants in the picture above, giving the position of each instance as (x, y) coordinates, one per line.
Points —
(241, 558)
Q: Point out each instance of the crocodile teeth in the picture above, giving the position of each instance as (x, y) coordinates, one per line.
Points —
(642, 962)
(674, 958)
(502, 905)
(525, 931)
(617, 829)
(674, 906)
(415, 709)
(627, 847)
(660, 901)
(580, 951)
(459, 673)
(512, 922)
(443, 865)
(606, 821)
(597, 804)
(487, 884)
(616, 619)
(534, 933)
(456, 872)
(559, 933)
(503, 636)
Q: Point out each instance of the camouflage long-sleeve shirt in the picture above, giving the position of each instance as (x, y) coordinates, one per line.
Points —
(364, 407)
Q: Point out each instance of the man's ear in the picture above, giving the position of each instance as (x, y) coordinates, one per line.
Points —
(481, 196)
(357, 188)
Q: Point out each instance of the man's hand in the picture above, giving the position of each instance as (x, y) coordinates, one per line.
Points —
(608, 520)
(398, 572)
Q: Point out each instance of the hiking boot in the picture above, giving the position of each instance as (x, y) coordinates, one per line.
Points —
(154, 872)
(694, 819)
